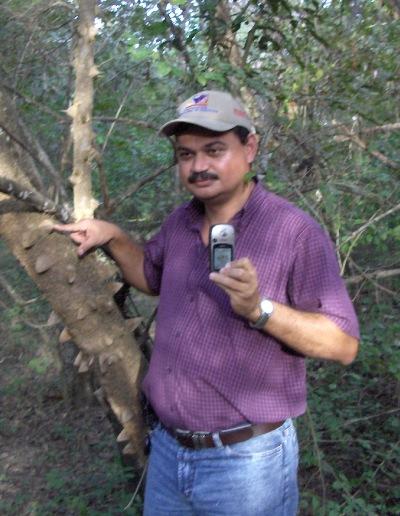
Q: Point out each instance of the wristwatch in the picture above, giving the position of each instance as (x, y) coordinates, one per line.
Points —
(266, 309)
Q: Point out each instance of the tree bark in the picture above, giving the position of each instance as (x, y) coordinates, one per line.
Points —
(81, 112)
(78, 292)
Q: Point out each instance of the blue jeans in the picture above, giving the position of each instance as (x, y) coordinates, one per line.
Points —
(252, 478)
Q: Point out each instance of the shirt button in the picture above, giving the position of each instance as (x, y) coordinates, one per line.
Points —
(178, 334)
(191, 299)
(172, 408)
(169, 370)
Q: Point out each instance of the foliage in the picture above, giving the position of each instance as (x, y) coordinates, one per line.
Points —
(350, 436)
(323, 75)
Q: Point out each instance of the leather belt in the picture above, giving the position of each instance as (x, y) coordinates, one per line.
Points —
(199, 440)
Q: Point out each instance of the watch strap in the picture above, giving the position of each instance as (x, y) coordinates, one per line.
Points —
(265, 315)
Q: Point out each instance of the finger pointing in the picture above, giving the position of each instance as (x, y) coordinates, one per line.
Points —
(67, 228)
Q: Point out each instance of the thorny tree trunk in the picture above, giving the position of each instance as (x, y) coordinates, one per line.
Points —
(77, 290)
(81, 112)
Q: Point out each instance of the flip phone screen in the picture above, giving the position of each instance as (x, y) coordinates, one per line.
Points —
(222, 241)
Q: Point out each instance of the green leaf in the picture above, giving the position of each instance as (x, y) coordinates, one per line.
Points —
(163, 69)
(39, 365)
(202, 79)
(248, 176)
(140, 53)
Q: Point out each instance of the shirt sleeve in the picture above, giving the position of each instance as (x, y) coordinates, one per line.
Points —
(154, 251)
(315, 284)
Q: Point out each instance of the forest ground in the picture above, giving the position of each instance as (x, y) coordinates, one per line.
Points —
(54, 458)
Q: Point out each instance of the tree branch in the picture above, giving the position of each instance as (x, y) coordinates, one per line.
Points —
(33, 199)
(372, 416)
(14, 206)
(374, 275)
(32, 174)
(366, 277)
(11, 292)
(44, 160)
(364, 145)
(395, 5)
(37, 153)
(134, 188)
(370, 222)
(381, 128)
(110, 130)
(129, 121)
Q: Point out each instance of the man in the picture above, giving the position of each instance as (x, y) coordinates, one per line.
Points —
(227, 372)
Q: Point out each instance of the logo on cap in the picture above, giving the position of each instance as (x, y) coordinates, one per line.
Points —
(240, 112)
(199, 100)
(197, 103)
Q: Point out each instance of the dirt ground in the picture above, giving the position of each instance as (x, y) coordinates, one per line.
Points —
(54, 458)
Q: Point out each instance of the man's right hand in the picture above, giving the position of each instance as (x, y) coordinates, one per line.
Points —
(89, 233)
(127, 254)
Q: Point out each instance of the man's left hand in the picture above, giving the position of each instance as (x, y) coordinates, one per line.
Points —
(239, 280)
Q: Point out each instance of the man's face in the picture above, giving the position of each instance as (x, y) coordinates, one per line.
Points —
(212, 166)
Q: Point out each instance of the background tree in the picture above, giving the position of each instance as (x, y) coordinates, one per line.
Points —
(321, 82)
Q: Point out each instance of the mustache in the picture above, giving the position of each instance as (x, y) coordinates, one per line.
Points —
(203, 175)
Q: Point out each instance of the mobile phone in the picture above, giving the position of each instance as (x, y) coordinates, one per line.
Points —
(222, 244)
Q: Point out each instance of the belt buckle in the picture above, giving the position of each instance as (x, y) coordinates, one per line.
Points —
(198, 439)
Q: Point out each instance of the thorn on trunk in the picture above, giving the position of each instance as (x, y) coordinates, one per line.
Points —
(128, 450)
(94, 71)
(46, 226)
(126, 416)
(72, 110)
(109, 305)
(108, 340)
(71, 273)
(53, 319)
(78, 359)
(83, 367)
(115, 287)
(71, 278)
(133, 323)
(29, 239)
(83, 311)
(43, 263)
(123, 436)
(65, 336)
(112, 359)
(102, 363)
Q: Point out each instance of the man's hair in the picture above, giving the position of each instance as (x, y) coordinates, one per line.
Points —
(241, 132)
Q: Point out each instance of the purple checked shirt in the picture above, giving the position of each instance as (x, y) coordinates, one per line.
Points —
(209, 370)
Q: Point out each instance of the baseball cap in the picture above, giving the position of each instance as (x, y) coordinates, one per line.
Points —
(215, 110)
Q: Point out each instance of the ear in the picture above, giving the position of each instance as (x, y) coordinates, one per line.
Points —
(252, 147)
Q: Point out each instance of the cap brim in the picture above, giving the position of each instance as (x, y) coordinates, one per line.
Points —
(169, 129)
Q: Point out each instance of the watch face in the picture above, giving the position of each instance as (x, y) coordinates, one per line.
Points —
(266, 306)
